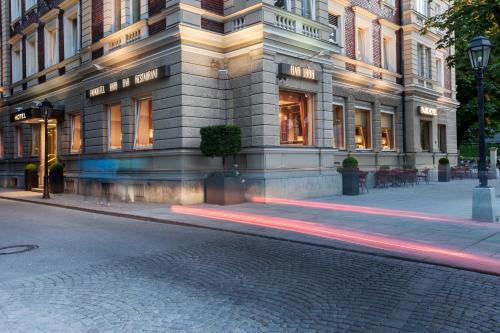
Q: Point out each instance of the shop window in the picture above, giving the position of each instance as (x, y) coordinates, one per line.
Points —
(387, 120)
(51, 44)
(338, 127)
(19, 141)
(16, 55)
(363, 133)
(71, 32)
(35, 140)
(294, 115)
(115, 127)
(2, 150)
(31, 55)
(308, 9)
(442, 138)
(425, 135)
(76, 139)
(143, 124)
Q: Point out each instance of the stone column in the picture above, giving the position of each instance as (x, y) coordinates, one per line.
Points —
(492, 173)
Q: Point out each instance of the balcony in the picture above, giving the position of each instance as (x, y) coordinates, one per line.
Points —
(123, 37)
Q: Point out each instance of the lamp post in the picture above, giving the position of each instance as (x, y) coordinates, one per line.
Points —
(46, 107)
(483, 196)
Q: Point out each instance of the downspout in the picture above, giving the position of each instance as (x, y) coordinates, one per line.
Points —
(401, 65)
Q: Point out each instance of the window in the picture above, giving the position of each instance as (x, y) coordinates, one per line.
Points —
(424, 60)
(391, 3)
(35, 140)
(422, 6)
(29, 4)
(439, 71)
(334, 23)
(283, 4)
(16, 54)
(363, 133)
(425, 135)
(1, 144)
(308, 9)
(338, 127)
(442, 138)
(389, 53)
(362, 45)
(114, 127)
(143, 124)
(387, 120)
(19, 141)
(71, 32)
(51, 44)
(136, 10)
(117, 11)
(295, 112)
(76, 139)
(15, 9)
(31, 55)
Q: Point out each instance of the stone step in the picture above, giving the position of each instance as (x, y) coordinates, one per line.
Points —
(37, 189)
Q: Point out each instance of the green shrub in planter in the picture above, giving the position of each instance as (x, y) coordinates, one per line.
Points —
(350, 176)
(222, 188)
(30, 176)
(444, 161)
(444, 170)
(56, 178)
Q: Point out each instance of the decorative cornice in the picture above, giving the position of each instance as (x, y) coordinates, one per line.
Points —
(366, 13)
(388, 24)
(50, 15)
(30, 29)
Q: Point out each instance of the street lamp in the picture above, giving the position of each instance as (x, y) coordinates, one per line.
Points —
(46, 108)
(483, 196)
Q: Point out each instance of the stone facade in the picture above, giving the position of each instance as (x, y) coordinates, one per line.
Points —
(224, 62)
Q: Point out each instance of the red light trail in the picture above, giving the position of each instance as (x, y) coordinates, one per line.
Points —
(430, 252)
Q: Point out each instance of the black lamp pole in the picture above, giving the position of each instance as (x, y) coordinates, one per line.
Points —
(46, 106)
(482, 169)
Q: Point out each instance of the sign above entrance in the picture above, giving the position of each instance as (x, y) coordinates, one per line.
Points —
(285, 70)
(131, 81)
(427, 111)
(34, 115)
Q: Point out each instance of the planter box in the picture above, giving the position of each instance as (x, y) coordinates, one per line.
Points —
(224, 190)
(444, 173)
(56, 183)
(350, 182)
(30, 180)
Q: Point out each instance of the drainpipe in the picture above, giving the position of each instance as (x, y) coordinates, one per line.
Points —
(401, 64)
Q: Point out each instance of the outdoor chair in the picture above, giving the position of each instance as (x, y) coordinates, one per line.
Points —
(362, 181)
(423, 175)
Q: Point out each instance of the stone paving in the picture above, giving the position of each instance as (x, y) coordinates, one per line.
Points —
(179, 279)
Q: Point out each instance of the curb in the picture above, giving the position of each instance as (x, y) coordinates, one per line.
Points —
(251, 234)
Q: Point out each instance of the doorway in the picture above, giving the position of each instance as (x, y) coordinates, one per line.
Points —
(52, 148)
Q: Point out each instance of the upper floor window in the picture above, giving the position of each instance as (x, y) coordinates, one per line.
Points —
(422, 6)
(136, 10)
(15, 9)
(362, 45)
(389, 53)
(31, 54)
(284, 4)
(16, 55)
(117, 14)
(391, 3)
(51, 44)
(439, 71)
(71, 32)
(29, 4)
(424, 61)
(308, 9)
(334, 23)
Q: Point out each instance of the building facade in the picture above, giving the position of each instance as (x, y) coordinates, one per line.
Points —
(309, 82)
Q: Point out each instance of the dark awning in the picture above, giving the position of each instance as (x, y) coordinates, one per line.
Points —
(34, 115)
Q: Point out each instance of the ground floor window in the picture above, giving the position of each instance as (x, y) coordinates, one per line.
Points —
(387, 120)
(1, 144)
(115, 127)
(338, 127)
(442, 138)
(295, 112)
(425, 135)
(363, 133)
(35, 140)
(76, 140)
(143, 124)
(19, 141)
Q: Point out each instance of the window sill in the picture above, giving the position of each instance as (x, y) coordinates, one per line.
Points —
(143, 147)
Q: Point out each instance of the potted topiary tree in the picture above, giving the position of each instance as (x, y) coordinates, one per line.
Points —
(56, 178)
(444, 170)
(30, 176)
(222, 187)
(350, 176)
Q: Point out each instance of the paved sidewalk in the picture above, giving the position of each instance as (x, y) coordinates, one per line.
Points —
(427, 222)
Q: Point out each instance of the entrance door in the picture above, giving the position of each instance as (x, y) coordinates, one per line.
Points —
(52, 149)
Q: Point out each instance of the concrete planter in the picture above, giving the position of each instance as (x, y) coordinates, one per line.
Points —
(30, 180)
(350, 182)
(444, 173)
(56, 183)
(224, 190)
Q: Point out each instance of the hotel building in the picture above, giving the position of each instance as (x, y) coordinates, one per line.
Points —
(308, 81)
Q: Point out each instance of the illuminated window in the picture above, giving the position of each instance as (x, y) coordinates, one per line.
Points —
(35, 140)
(295, 114)
(387, 120)
(71, 31)
(143, 124)
(338, 127)
(363, 133)
(16, 54)
(51, 44)
(115, 127)
(76, 139)
(425, 135)
(31, 55)
(19, 141)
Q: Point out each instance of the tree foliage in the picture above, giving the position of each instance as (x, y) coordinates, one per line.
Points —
(460, 23)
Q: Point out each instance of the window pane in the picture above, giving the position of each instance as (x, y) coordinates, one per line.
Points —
(19, 142)
(294, 114)
(442, 138)
(144, 123)
(76, 140)
(363, 133)
(35, 140)
(115, 127)
(425, 135)
(338, 127)
(387, 131)
(1, 144)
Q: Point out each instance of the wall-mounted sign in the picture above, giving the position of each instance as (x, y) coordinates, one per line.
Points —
(130, 81)
(297, 71)
(34, 114)
(427, 111)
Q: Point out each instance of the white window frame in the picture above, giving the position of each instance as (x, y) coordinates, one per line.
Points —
(391, 51)
(108, 115)
(424, 61)
(71, 44)
(17, 61)
(422, 7)
(370, 111)
(393, 114)
(15, 10)
(339, 30)
(313, 9)
(342, 105)
(364, 23)
(32, 54)
(51, 28)
(136, 124)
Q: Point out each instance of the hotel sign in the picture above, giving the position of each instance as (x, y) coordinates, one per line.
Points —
(131, 81)
(297, 71)
(34, 114)
(427, 111)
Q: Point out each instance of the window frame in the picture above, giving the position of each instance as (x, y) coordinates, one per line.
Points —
(136, 124)
(19, 141)
(370, 112)
(52, 28)
(342, 105)
(35, 132)
(429, 133)
(108, 120)
(15, 11)
(32, 53)
(17, 65)
(72, 42)
(393, 115)
(313, 9)
(72, 133)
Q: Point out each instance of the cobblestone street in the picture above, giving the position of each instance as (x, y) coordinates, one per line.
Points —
(95, 273)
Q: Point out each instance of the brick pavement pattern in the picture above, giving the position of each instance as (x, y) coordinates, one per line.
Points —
(247, 284)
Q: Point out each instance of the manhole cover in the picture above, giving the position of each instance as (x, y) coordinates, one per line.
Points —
(17, 249)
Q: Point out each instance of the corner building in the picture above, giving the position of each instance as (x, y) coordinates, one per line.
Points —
(308, 81)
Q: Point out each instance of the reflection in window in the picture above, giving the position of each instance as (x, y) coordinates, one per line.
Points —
(76, 141)
(338, 127)
(115, 127)
(425, 135)
(363, 134)
(143, 124)
(294, 117)
(35, 140)
(387, 120)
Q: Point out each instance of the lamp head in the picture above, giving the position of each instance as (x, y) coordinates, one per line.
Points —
(479, 52)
